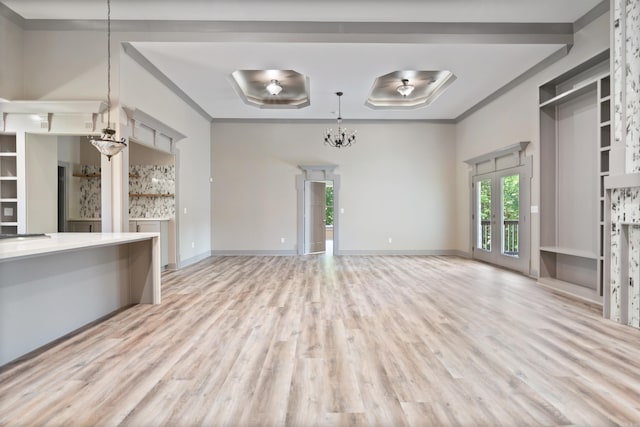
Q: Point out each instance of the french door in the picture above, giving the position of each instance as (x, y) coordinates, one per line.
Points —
(500, 220)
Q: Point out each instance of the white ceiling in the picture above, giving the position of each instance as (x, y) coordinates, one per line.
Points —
(202, 68)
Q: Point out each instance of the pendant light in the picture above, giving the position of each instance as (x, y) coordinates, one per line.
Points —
(342, 138)
(108, 144)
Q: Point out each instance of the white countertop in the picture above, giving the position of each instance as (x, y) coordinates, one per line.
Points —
(130, 219)
(12, 249)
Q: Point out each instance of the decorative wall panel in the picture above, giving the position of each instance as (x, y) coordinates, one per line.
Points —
(90, 193)
(632, 85)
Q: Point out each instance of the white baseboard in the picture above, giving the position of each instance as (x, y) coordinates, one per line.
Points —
(254, 253)
(192, 260)
(410, 252)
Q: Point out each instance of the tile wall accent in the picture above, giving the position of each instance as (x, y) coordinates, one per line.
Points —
(625, 219)
(90, 193)
(151, 180)
(632, 99)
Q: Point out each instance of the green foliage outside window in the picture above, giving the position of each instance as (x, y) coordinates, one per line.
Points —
(329, 205)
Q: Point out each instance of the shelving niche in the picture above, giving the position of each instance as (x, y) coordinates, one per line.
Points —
(575, 139)
(8, 185)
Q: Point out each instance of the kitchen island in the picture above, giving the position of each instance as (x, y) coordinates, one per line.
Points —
(55, 284)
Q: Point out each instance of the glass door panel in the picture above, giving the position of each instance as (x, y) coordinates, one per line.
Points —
(483, 214)
(499, 233)
(510, 202)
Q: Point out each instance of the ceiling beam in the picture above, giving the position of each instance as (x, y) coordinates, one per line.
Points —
(327, 32)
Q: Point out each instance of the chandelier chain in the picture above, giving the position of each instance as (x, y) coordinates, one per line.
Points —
(108, 63)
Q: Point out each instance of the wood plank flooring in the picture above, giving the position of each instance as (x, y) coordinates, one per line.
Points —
(337, 341)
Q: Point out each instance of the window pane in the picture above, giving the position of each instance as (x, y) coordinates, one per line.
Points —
(483, 215)
(510, 214)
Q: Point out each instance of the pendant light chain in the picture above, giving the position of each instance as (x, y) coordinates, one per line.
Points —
(108, 63)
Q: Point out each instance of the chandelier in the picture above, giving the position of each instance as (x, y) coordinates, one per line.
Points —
(342, 138)
(108, 144)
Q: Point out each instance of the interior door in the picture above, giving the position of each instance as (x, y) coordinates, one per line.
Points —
(499, 222)
(316, 229)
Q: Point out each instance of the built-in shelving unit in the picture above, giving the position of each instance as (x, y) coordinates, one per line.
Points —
(604, 148)
(575, 139)
(8, 185)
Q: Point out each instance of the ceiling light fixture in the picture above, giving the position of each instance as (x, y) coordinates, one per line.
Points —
(342, 138)
(274, 87)
(108, 144)
(405, 89)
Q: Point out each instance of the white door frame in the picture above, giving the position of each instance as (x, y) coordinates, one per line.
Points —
(318, 173)
(502, 162)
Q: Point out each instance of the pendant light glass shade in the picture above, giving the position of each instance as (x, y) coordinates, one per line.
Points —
(405, 89)
(274, 87)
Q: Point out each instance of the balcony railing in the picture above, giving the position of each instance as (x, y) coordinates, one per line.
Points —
(510, 232)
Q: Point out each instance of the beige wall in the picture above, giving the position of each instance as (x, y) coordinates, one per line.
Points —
(140, 90)
(512, 118)
(141, 155)
(42, 184)
(11, 65)
(395, 182)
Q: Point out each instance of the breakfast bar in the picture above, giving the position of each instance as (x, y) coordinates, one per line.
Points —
(54, 284)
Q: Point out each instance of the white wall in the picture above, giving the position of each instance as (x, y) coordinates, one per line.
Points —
(512, 118)
(11, 67)
(396, 182)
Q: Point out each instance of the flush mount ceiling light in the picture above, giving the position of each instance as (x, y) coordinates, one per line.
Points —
(342, 138)
(274, 87)
(405, 89)
(108, 144)
(425, 87)
(265, 89)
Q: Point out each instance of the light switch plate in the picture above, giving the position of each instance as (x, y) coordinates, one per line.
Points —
(534, 209)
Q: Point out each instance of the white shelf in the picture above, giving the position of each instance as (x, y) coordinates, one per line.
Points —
(8, 154)
(570, 94)
(605, 98)
(8, 178)
(567, 288)
(605, 124)
(8, 200)
(569, 251)
(13, 224)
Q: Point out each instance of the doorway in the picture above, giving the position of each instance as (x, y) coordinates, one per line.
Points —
(327, 229)
(319, 214)
(62, 198)
(499, 220)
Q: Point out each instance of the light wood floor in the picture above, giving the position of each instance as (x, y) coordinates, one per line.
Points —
(337, 341)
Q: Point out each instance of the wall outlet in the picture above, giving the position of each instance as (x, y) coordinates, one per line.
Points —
(390, 240)
(193, 245)
(282, 240)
